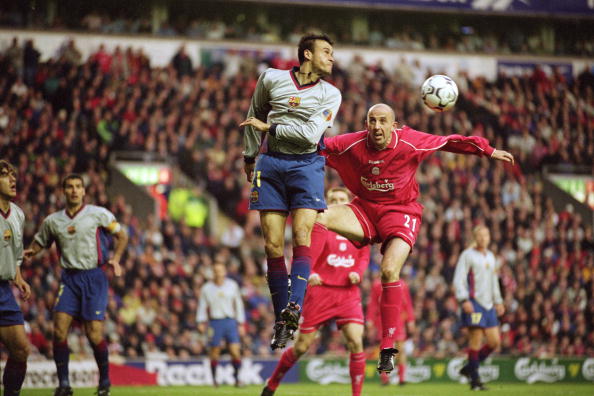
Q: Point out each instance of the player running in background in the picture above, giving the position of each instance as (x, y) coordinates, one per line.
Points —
(220, 307)
(291, 109)
(378, 166)
(333, 293)
(80, 235)
(407, 315)
(477, 289)
(12, 330)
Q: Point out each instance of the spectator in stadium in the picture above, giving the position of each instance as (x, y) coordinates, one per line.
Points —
(80, 232)
(385, 208)
(221, 310)
(12, 330)
(293, 108)
(477, 289)
(333, 294)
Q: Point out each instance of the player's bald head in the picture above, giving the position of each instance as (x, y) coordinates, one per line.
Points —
(382, 109)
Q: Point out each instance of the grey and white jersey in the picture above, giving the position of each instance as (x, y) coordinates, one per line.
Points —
(302, 113)
(78, 237)
(220, 302)
(12, 224)
(476, 277)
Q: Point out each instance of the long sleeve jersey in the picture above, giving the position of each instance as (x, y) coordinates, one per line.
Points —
(299, 114)
(389, 175)
(11, 244)
(476, 278)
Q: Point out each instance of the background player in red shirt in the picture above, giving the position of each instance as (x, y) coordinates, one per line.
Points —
(379, 165)
(407, 315)
(333, 293)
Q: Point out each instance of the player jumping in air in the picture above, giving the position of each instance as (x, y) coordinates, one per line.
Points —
(78, 231)
(333, 293)
(12, 329)
(378, 165)
(290, 110)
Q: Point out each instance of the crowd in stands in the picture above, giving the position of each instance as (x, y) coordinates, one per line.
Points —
(388, 29)
(68, 114)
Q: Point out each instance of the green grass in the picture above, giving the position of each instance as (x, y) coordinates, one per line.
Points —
(372, 389)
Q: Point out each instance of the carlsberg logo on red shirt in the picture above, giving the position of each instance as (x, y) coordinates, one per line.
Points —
(377, 186)
(340, 261)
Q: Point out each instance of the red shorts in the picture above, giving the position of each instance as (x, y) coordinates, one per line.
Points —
(383, 222)
(323, 303)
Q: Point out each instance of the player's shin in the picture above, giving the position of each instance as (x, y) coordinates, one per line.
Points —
(14, 375)
(287, 360)
(357, 372)
(101, 354)
(299, 274)
(318, 241)
(61, 358)
(390, 303)
(278, 283)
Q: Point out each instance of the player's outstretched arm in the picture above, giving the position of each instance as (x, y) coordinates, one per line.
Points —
(503, 156)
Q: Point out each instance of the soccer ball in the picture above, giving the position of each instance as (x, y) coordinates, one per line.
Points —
(439, 92)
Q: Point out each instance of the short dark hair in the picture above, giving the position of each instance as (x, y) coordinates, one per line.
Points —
(7, 166)
(307, 43)
(73, 176)
(338, 189)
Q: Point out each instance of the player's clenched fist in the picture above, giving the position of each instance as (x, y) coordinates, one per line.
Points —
(314, 280)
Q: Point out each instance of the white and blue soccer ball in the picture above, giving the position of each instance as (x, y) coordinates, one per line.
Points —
(439, 92)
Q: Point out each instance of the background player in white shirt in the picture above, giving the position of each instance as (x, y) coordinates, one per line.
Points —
(221, 308)
(80, 232)
(291, 109)
(12, 330)
(477, 288)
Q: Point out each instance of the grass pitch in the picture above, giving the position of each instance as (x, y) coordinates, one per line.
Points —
(495, 389)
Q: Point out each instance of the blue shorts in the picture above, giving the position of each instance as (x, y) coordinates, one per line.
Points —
(285, 181)
(83, 294)
(224, 328)
(481, 317)
(10, 312)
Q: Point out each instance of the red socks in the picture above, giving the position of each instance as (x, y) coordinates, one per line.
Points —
(401, 372)
(357, 372)
(390, 305)
(287, 360)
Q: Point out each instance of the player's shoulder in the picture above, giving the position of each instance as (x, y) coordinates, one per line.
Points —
(275, 74)
(330, 88)
(352, 136)
(94, 209)
(18, 212)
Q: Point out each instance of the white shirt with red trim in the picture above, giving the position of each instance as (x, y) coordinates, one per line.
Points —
(302, 112)
(11, 244)
(389, 176)
(476, 277)
(77, 237)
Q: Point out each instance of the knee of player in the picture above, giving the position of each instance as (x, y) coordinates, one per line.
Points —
(355, 345)
(301, 236)
(300, 348)
(20, 352)
(494, 343)
(390, 274)
(274, 248)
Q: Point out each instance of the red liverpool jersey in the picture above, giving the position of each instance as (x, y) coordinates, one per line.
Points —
(339, 258)
(389, 176)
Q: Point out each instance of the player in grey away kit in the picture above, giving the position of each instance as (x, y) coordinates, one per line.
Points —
(477, 288)
(291, 109)
(80, 232)
(12, 330)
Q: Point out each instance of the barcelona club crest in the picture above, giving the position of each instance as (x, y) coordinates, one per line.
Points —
(294, 101)
(254, 196)
(7, 235)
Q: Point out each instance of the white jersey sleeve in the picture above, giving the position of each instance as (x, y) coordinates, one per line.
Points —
(460, 277)
(259, 108)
